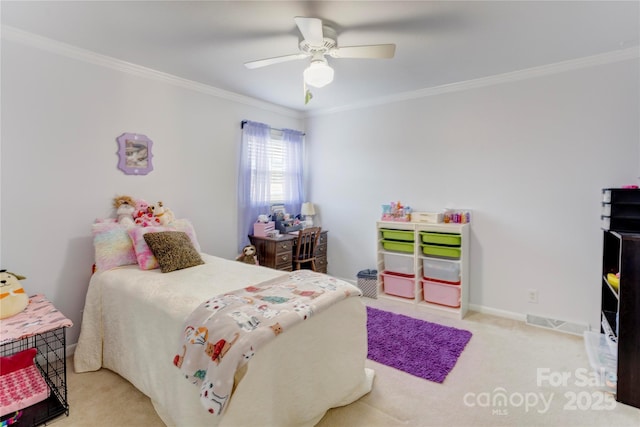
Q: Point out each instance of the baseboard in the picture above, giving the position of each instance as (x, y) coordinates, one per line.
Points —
(497, 312)
(537, 321)
(557, 325)
(532, 320)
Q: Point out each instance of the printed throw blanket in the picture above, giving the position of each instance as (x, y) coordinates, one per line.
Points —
(224, 332)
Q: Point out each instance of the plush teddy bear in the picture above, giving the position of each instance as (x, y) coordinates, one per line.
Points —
(125, 208)
(248, 255)
(144, 214)
(162, 213)
(13, 299)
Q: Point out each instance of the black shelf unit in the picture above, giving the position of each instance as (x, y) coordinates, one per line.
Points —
(51, 361)
(621, 209)
(621, 309)
(621, 306)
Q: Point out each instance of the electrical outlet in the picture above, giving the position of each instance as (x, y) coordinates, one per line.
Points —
(532, 296)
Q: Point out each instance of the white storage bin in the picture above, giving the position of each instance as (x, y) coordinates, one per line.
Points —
(427, 217)
(401, 264)
(441, 269)
(603, 358)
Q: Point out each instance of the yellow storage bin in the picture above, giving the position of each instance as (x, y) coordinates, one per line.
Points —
(402, 235)
(435, 238)
(394, 245)
(441, 251)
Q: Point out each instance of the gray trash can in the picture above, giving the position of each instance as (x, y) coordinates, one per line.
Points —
(368, 283)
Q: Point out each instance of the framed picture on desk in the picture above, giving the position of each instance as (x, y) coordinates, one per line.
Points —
(278, 211)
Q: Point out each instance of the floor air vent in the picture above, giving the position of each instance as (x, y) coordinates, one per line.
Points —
(556, 325)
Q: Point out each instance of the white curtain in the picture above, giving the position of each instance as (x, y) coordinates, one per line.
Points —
(294, 186)
(254, 184)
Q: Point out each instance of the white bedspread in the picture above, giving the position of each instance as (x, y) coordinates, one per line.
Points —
(133, 319)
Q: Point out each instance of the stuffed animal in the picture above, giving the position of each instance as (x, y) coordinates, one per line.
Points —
(162, 213)
(125, 208)
(144, 214)
(13, 299)
(248, 255)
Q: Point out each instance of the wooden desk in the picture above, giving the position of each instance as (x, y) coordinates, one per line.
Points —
(278, 253)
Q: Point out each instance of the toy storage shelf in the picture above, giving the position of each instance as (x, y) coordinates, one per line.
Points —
(620, 295)
(621, 209)
(620, 306)
(50, 343)
(401, 249)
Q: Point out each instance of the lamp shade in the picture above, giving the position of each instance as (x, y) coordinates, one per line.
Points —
(307, 209)
(318, 73)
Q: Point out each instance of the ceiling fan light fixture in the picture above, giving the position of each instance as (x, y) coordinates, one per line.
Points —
(318, 73)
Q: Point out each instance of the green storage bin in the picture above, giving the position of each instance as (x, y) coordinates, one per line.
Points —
(403, 235)
(434, 238)
(394, 245)
(441, 251)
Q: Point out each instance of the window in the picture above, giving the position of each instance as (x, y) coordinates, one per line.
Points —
(276, 154)
(271, 172)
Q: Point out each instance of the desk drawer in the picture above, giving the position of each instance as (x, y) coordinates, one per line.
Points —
(284, 261)
(321, 250)
(284, 255)
(321, 264)
(323, 239)
(283, 247)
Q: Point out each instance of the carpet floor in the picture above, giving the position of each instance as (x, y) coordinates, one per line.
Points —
(505, 358)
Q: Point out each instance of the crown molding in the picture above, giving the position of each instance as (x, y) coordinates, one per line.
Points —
(70, 51)
(44, 43)
(529, 73)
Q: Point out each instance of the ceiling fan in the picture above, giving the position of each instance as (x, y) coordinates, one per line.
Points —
(319, 40)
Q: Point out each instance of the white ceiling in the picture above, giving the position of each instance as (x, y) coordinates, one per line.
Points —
(437, 42)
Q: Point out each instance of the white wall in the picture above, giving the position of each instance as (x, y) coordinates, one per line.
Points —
(528, 157)
(60, 121)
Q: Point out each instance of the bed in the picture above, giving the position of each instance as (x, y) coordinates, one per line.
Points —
(133, 319)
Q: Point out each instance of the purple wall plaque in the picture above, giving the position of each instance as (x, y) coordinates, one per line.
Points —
(135, 154)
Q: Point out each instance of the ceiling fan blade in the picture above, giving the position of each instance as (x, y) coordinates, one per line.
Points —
(276, 60)
(371, 51)
(311, 30)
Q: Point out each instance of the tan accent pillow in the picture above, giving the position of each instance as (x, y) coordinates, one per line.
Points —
(173, 250)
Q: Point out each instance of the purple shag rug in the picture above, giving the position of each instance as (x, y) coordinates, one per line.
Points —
(426, 350)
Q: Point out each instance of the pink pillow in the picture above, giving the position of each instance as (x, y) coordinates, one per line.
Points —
(145, 258)
(112, 246)
(186, 226)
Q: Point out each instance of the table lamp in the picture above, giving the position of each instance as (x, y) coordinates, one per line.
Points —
(308, 211)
